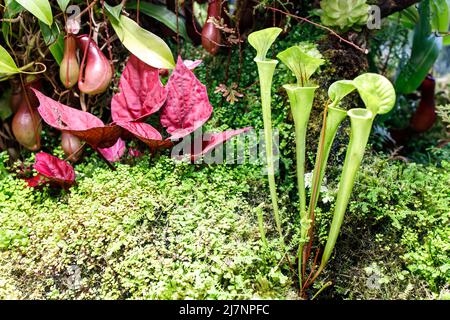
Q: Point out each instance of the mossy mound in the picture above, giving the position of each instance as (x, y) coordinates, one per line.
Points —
(156, 230)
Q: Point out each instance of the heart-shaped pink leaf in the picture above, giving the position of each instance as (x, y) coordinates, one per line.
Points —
(213, 140)
(81, 124)
(141, 92)
(187, 106)
(54, 170)
(146, 133)
(114, 153)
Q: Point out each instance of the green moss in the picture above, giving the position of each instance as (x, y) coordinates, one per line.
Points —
(157, 230)
(397, 225)
(168, 230)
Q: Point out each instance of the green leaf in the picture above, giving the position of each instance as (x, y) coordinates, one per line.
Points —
(5, 109)
(376, 91)
(50, 34)
(145, 45)
(439, 15)
(39, 8)
(114, 12)
(63, 4)
(163, 15)
(407, 17)
(446, 41)
(425, 50)
(7, 64)
(300, 63)
(12, 9)
(57, 48)
(262, 40)
(339, 89)
(54, 39)
(6, 29)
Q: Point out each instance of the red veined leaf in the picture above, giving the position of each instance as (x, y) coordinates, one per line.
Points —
(114, 153)
(214, 140)
(146, 133)
(187, 106)
(141, 92)
(81, 124)
(54, 170)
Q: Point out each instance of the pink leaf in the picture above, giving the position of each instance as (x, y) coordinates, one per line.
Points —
(187, 106)
(55, 170)
(114, 153)
(35, 181)
(81, 124)
(192, 64)
(146, 133)
(134, 153)
(141, 92)
(216, 139)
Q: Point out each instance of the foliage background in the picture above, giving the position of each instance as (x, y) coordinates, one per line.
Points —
(159, 229)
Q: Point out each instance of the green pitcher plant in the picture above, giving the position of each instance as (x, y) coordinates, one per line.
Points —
(378, 96)
(262, 40)
(334, 116)
(302, 63)
(361, 125)
(301, 96)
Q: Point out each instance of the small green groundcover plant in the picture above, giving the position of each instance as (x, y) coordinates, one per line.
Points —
(399, 216)
(152, 230)
(378, 96)
(162, 229)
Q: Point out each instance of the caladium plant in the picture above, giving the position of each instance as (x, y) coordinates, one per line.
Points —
(147, 134)
(52, 170)
(183, 104)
